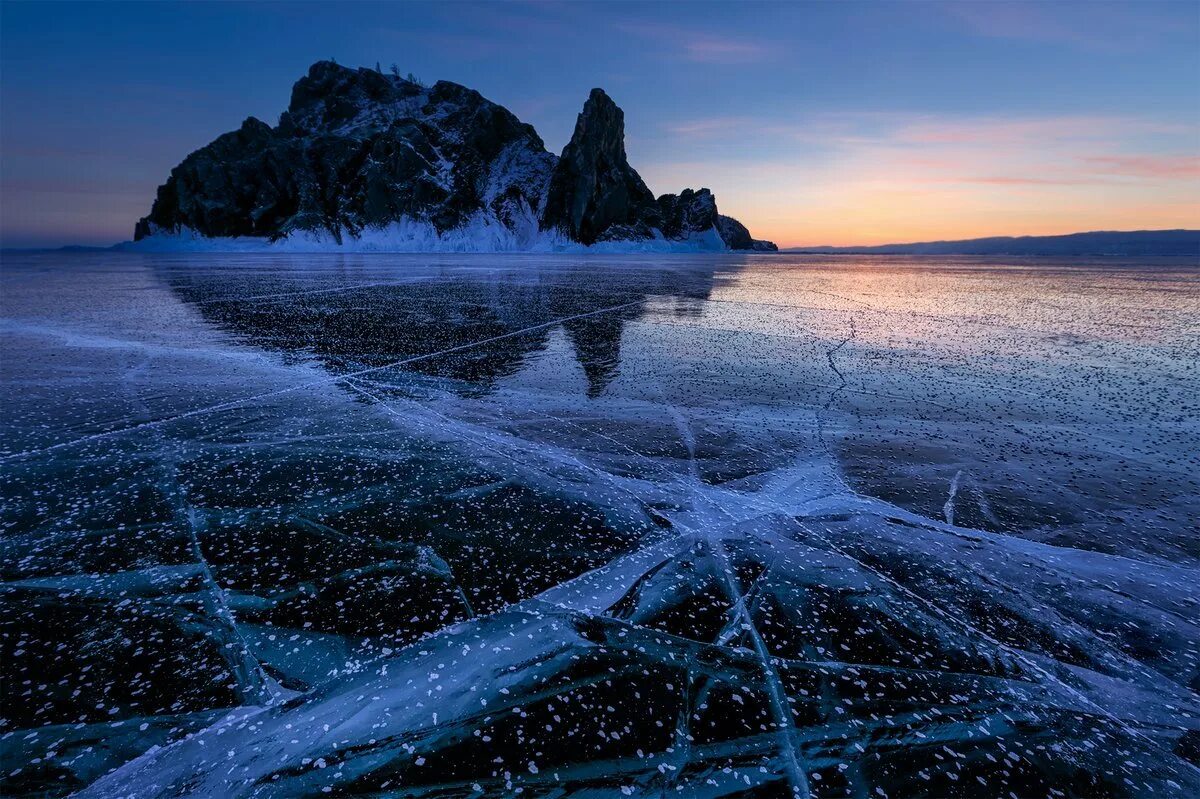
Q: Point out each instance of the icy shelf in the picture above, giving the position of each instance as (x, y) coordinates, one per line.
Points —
(483, 233)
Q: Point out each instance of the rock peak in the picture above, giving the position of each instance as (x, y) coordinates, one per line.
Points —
(598, 98)
(594, 188)
(595, 195)
(601, 123)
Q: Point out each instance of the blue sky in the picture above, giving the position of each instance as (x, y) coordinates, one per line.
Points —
(814, 123)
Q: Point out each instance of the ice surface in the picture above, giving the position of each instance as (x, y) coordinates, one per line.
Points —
(562, 525)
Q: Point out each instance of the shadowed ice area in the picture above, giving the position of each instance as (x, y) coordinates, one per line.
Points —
(695, 526)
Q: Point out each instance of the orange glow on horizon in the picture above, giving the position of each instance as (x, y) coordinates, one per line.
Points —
(869, 226)
(900, 216)
(881, 178)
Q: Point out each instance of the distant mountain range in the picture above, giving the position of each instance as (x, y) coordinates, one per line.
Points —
(1100, 242)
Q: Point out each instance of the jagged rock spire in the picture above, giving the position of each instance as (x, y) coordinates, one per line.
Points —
(593, 187)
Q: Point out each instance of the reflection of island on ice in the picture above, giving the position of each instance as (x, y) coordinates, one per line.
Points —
(483, 324)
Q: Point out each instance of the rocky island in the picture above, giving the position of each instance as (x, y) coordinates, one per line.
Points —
(363, 160)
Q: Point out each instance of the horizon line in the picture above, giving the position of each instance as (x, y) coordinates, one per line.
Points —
(53, 247)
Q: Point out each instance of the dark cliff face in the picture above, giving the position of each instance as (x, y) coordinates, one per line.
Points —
(595, 195)
(737, 237)
(688, 212)
(593, 188)
(358, 149)
(240, 185)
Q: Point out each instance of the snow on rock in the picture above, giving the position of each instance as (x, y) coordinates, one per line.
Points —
(483, 233)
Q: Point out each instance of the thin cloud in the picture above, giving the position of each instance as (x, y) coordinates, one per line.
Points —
(1109, 27)
(709, 127)
(936, 138)
(1147, 166)
(1036, 130)
(1020, 180)
(711, 50)
(699, 46)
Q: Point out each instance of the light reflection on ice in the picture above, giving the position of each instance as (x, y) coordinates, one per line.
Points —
(447, 527)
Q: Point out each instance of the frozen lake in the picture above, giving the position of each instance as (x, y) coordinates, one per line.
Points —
(689, 526)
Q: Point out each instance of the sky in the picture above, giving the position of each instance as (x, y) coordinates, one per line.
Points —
(812, 122)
